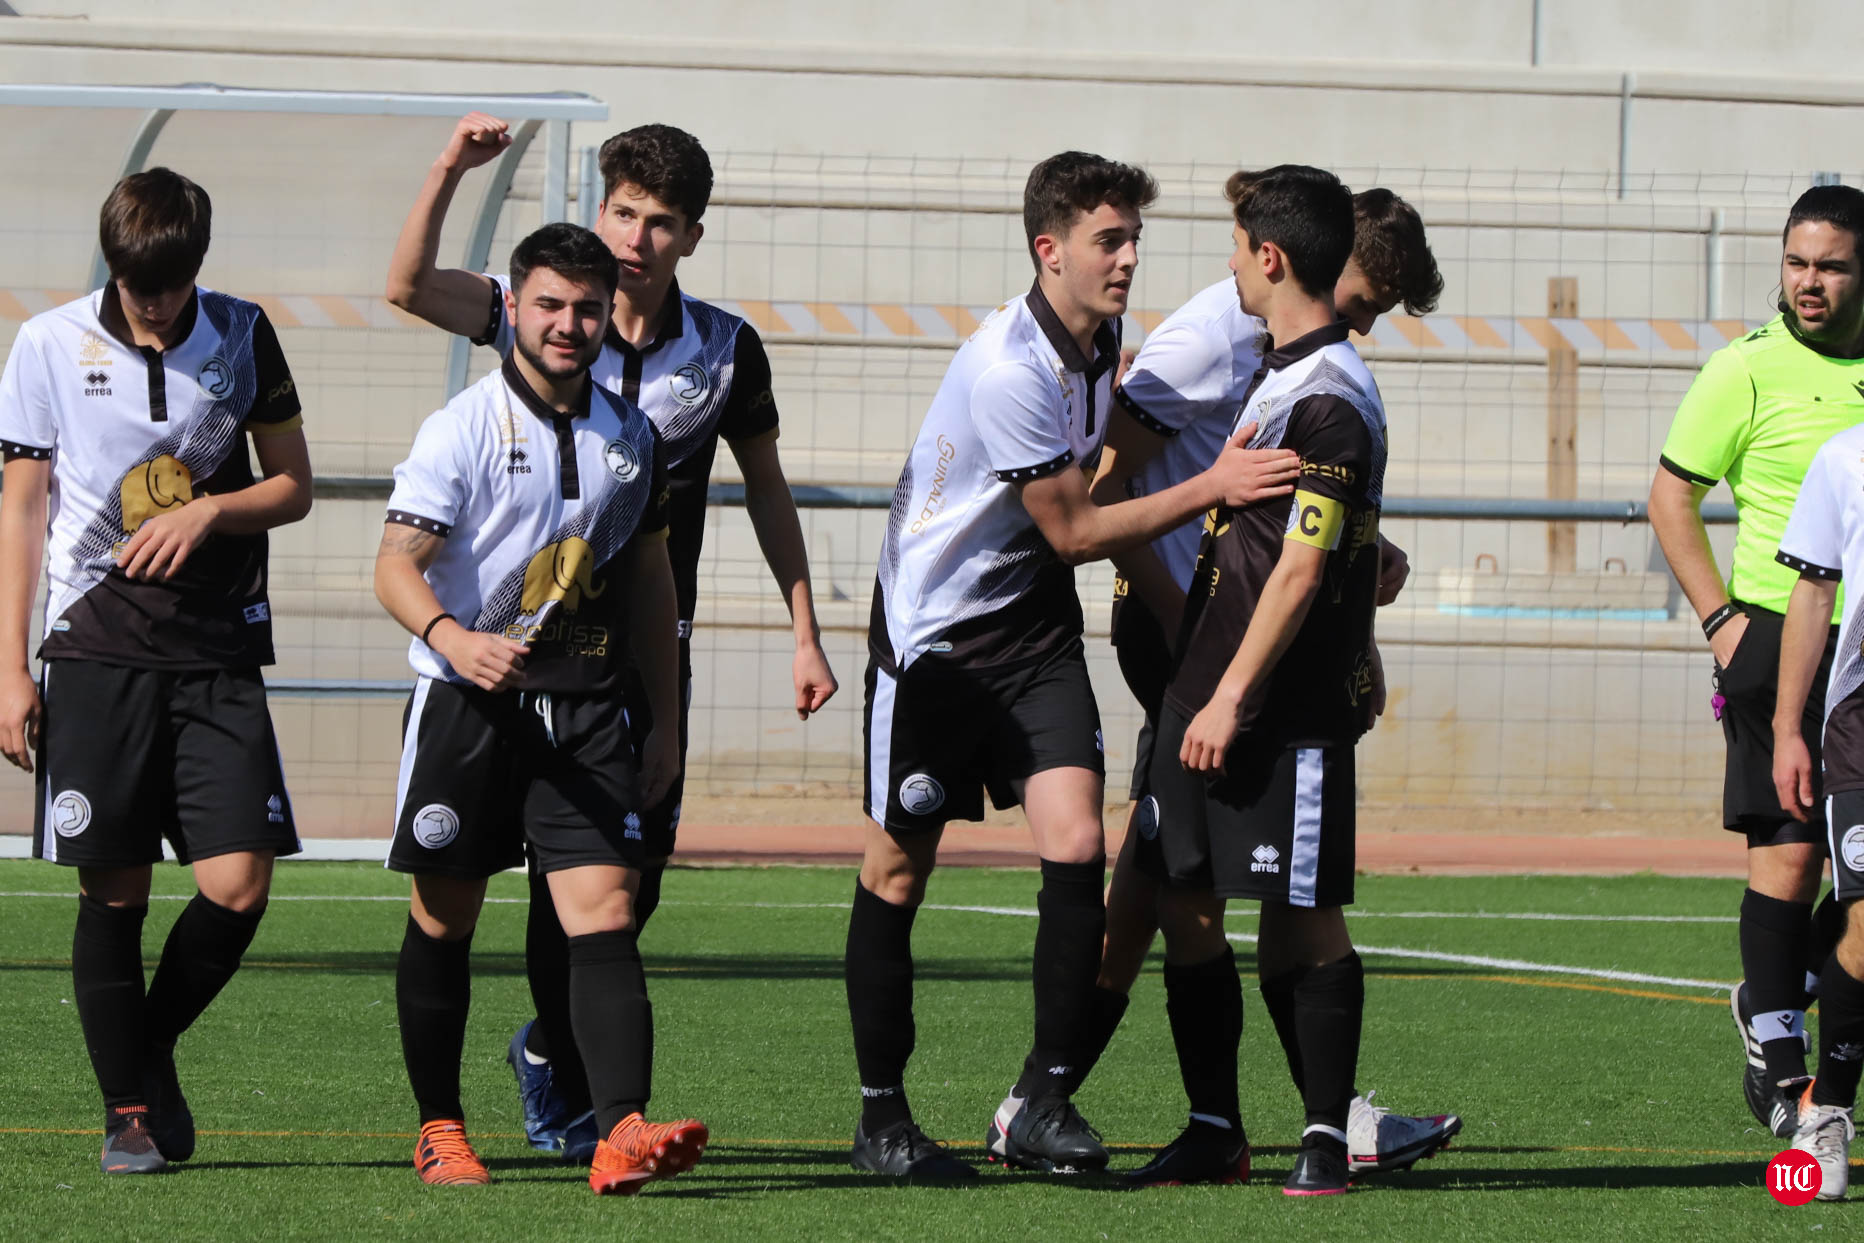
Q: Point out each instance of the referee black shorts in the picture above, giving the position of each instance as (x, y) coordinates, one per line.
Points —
(128, 757)
(939, 735)
(1749, 685)
(1277, 825)
(482, 774)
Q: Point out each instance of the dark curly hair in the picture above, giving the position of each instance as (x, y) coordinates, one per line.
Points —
(1067, 185)
(666, 162)
(568, 250)
(1389, 247)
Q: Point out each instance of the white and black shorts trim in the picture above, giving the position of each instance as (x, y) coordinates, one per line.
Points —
(482, 774)
(1844, 817)
(939, 736)
(1276, 826)
(130, 757)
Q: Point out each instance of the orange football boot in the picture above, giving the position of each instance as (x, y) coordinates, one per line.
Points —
(445, 1159)
(638, 1152)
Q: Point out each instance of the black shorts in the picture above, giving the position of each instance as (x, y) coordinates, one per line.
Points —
(1144, 653)
(1845, 839)
(128, 757)
(660, 824)
(482, 774)
(1749, 685)
(939, 735)
(1277, 825)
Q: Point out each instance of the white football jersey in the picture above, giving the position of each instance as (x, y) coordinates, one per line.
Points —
(964, 570)
(534, 507)
(1825, 539)
(132, 432)
(1185, 385)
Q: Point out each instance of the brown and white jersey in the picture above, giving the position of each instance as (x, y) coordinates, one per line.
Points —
(132, 432)
(703, 375)
(1314, 396)
(535, 506)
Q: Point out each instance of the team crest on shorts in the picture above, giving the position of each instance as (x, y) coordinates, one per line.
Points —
(1146, 818)
(689, 384)
(71, 814)
(1852, 848)
(436, 825)
(920, 795)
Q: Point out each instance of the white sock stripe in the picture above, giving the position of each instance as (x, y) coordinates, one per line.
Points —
(1777, 1025)
(1211, 1119)
(1320, 1128)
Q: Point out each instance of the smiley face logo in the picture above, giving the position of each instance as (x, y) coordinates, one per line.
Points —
(156, 486)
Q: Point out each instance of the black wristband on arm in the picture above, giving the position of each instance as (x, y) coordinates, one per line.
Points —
(437, 620)
(1719, 618)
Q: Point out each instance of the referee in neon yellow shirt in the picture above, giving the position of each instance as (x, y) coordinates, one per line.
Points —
(1756, 414)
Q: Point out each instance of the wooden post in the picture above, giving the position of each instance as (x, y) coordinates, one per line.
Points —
(1562, 425)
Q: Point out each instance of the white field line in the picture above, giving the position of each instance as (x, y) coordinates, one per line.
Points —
(1385, 951)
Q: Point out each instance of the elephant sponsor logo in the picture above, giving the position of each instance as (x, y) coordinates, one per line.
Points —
(562, 571)
(155, 487)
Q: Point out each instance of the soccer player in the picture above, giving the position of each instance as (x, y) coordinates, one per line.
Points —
(977, 680)
(520, 588)
(1756, 414)
(1824, 544)
(699, 374)
(1182, 391)
(124, 419)
(1252, 768)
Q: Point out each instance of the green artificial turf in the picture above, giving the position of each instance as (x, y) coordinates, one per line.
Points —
(1593, 1107)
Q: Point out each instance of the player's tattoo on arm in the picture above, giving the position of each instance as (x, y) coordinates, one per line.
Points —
(405, 541)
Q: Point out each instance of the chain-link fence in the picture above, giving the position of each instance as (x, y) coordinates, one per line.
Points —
(1530, 660)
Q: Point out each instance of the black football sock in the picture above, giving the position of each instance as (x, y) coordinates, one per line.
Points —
(1828, 925)
(1278, 999)
(1776, 939)
(433, 992)
(614, 1023)
(201, 954)
(878, 968)
(106, 982)
(1105, 1009)
(547, 970)
(1841, 1036)
(1204, 1002)
(647, 897)
(1329, 1009)
(1071, 924)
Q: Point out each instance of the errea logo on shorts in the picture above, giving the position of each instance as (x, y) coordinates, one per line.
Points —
(631, 827)
(70, 814)
(920, 795)
(1851, 849)
(436, 825)
(1265, 857)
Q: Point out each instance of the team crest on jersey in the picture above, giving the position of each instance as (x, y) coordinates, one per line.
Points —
(71, 814)
(436, 825)
(620, 460)
(689, 384)
(216, 377)
(94, 351)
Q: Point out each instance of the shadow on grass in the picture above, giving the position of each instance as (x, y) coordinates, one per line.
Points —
(493, 964)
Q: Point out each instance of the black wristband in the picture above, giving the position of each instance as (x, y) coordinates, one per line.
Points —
(1719, 618)
(437, 620)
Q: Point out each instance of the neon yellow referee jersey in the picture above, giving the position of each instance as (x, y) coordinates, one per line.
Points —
(1755, 416)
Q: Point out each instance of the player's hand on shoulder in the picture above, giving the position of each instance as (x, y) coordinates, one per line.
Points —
(163, 544)
(1245, 476)
(814, 680)
(1394, 569)
(1208, 737)
(490, 662)
(19, 718)
(478, 139)
(660, 763)
(1792, 770)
